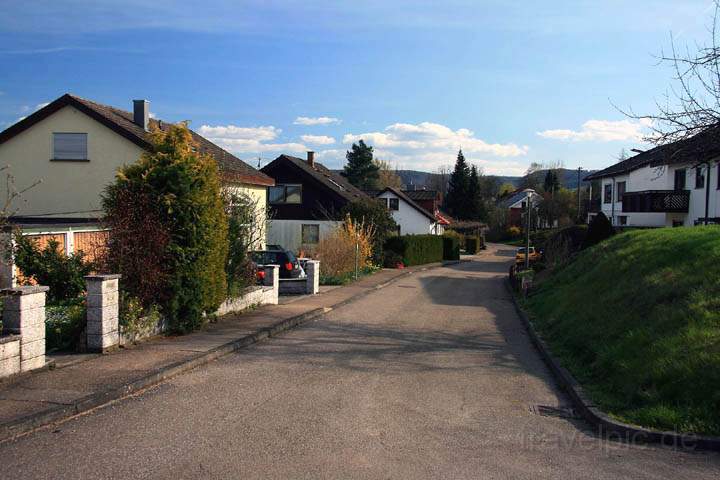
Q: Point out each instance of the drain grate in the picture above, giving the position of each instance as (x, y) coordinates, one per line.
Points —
(558, 412)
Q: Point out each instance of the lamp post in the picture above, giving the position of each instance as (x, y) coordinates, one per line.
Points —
(527, 232)
(578, 194)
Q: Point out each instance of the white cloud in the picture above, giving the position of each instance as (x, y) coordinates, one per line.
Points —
(41, 105)
(602, 131)
(317, 139)
(316, 120)
(243, 140)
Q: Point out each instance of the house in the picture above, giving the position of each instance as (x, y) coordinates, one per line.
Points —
(515, 204)
(74, 147)
(306, 201)
(666, 186)
(411, 217)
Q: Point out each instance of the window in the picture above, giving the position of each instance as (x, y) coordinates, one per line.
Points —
(285, 194)
(310, 234)
(69, 146)
(699, 177)
(718, 176)
(607, 197)
(680, 179)
(620, 189)
(622, 220)
(394, 203)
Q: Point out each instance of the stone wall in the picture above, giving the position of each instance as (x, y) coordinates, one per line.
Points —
(24, 315)
(9, 355)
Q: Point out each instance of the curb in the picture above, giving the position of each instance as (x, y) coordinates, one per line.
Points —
(21, 426)
(606, 426)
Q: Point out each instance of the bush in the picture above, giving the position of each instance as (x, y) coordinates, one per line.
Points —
(472, 245)
(392, 259)
(337, 251)
(51, 267)
(513, 232)
(373, 213)
(64, 324)
(246, 229)
(416, 249)
(179, 261)
(451, 247)
(599, 229)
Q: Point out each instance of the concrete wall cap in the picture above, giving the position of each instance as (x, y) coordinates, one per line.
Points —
(9, 338)
(25, 290)
(99, 278)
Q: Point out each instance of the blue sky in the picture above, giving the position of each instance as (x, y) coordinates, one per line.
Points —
(509, 82)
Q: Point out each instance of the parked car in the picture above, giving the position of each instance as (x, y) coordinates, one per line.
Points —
(289, 265)
(520, 255)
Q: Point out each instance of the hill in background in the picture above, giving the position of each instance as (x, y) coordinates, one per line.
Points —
(568, 178)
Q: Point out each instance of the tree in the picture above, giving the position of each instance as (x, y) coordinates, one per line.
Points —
(246, 231)
(693, 104)
(167, 218)
(387, 177)
(458, 186)
(360, 169)
(506, 189)
(552, 182)
(440, 180)
(599, 229)
(373, 212)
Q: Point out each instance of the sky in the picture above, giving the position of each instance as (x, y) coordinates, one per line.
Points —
(508, 82)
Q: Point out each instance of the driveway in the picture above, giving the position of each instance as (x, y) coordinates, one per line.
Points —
(431, 377)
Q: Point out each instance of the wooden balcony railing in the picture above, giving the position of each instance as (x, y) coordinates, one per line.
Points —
(659, 201)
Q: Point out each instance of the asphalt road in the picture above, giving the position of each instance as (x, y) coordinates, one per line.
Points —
(431, 377)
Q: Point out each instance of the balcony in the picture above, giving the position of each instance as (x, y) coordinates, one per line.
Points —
(656, 201)
(593, 206)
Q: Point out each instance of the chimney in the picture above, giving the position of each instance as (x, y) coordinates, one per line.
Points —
(141, 113)
(311, 158)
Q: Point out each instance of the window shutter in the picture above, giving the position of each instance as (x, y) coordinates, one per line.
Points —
(70, 146)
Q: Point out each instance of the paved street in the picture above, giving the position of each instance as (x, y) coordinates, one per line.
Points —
(431, 377)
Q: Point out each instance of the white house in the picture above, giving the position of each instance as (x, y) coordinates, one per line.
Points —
(672, 185)
(412, 219)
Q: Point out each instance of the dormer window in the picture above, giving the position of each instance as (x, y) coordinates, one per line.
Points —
(70, 146)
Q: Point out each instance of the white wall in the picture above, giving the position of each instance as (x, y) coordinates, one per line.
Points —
(652, 178)
(410, 220)
(288, 233)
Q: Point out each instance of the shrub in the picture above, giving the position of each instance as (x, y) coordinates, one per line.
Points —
(392, 259)
(64, 324)
(51, 267)
(472, 245)
(513, 232)
(373, 213)
(451, 247)
(417, 249)
(136, 318)
(599, 229)
(186, 246)
(246, 229)
(338, 251)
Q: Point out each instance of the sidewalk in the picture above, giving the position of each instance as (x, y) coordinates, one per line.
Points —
(82, 382)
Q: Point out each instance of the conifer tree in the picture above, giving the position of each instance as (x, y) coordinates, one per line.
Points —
(457, 195)
(360, 169)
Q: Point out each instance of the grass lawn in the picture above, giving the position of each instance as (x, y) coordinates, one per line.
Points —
(348, 277)
(636, 319)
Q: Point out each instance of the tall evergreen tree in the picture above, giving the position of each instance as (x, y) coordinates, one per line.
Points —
(360, 169)
(476, 201)
(457, 195)
(552, 181)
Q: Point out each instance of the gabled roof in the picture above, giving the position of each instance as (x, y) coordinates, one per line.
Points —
(409, 201)
(515, 197)
(121, 122)
(337, 183)
(419, 195)
(697, 149)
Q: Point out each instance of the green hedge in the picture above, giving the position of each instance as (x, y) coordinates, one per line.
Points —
(472, 245)
(451, 247)
(416, 249)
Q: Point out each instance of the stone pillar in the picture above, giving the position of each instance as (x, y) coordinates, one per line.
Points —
(102, 312)
(272, 279)
(312, 270)
(24, 314)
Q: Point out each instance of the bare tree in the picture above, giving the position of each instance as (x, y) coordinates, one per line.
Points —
(692, 104)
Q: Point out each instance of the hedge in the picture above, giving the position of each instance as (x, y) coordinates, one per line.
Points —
(416, 249)
(451, 247)
(472, 245)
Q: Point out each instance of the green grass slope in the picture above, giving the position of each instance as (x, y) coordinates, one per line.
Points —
(636, 319)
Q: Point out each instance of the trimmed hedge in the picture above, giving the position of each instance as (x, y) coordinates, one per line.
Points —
(472, 245)
(451, 247)
(416, 249)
